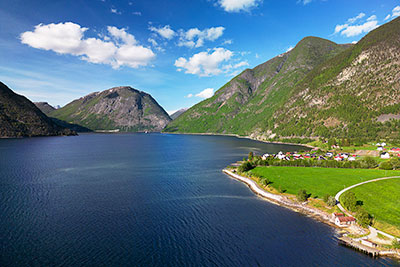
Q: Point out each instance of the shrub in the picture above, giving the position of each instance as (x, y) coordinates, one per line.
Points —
(363, 218)
(265, 181)
(369, 162)
(331, 201)
(251, 155)
(246, 166)
(326, 198)
(349, 201)
(395, 243)
(385, 166)
(302, 195)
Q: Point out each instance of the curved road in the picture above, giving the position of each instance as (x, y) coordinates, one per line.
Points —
(373, 230)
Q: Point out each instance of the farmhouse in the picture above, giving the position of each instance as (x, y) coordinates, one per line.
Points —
(385, 155)
(344, 221)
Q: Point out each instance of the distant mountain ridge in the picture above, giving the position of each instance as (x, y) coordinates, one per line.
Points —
(120, 108)
(177, 113)
(19, 117)
(45, 107)
(318, 89)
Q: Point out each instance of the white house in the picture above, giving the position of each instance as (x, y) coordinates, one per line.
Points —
(343, 221)
(351, 158)
(385, 155)
(265, 156)
(383, 144)
(380, 148)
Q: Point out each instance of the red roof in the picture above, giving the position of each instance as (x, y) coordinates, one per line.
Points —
(338, 214)
(346, 219)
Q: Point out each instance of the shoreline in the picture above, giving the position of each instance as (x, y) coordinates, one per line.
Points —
(245, 137)
(314, 213)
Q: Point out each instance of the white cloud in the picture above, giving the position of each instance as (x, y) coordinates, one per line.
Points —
(204, 63)
(165, 31)
(240, 64)
(359, 16)
(395, 13)
(238, 5)
(115, 11)
(189, 96)
(355, 30)
(350, 30)
(195, 37)
(206, 93)
(137, 13)
(118, 49)
(227, 42)
(304, 2)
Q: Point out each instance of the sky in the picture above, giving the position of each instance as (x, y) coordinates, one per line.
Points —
(178, 51)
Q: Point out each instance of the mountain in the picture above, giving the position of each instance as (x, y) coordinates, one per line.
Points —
(45, 107)
(353, 95)
(176, 114)
(246, 104)
(19, 117)
(318, 89)
(119, 108)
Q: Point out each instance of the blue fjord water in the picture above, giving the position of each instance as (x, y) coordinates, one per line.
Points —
(149, 200)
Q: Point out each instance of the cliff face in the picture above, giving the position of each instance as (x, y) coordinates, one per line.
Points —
(119, 108)
(19, 117)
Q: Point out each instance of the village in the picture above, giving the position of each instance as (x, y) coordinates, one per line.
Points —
(381, 151)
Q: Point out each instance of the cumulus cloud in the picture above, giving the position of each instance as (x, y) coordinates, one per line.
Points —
(165, 31)
(115, 11)
(238, 5)
(118, 48)
(395, 13)
(355, 30)
(195, 37)
(359, 16)
(204, 63)
(206, 93)
(350, 30)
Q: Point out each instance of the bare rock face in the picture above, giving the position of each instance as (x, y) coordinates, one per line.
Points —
(120, 108)
(19, 117)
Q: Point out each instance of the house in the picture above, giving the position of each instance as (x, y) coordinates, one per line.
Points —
(378, 144)
(368, 243)
(329, 154)
(321, 158)
(352, 158)
(337, 214)
(280, 155)
(383, 144)
(337, 158)
(385, 155)
(395, 149)
(265, 156)
(380, 148)
(343, 221)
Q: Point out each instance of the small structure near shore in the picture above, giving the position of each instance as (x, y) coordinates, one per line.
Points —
(342, 221)
(368, 243)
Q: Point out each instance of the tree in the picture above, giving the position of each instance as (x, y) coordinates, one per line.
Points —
(302, 195)
(331, 201)
(251, 155)
(395, 243)
(246, 166)
(349, 200)
(385, 166)
(326, 198)
(363, 217)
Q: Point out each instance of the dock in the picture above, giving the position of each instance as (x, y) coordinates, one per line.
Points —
(349, 242)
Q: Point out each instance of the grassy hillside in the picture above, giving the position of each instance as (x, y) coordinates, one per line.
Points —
(318, 90)
(246, 104)
(122, 108)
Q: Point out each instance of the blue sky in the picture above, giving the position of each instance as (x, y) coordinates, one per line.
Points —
(178, 51)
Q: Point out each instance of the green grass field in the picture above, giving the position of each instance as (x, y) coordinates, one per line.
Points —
(382, 200)
(318, 181)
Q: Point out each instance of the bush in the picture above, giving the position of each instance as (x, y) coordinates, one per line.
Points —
(302, 195)
(385, 166)
(369, 162)
(349, 201)
(326, 198)
(396, 243)
(331, 201)
(251, 155)
(265, 181)
(246, 166)
(363, 218)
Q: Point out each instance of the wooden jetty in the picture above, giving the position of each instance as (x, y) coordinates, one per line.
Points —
(349, 242)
